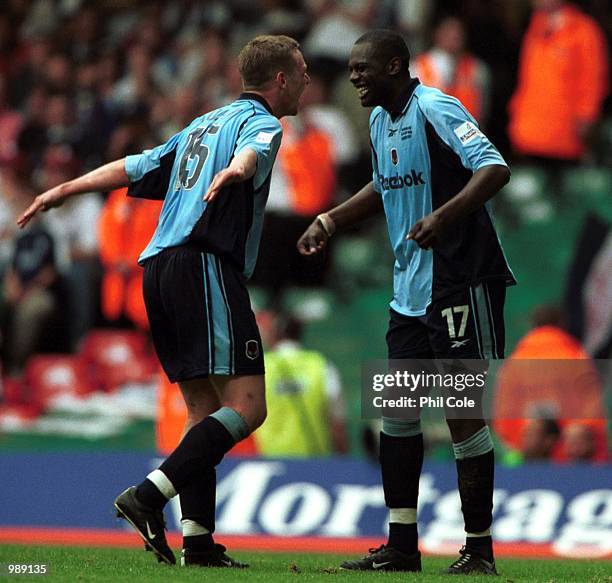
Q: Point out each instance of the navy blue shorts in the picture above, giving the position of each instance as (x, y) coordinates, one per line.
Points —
(465, 324)
(200, 315)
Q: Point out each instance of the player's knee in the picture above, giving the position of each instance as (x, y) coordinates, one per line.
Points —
(254, 414)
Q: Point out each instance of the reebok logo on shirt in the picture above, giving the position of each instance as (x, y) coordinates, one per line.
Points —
(394, 182)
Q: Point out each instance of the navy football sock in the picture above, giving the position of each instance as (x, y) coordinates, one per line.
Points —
(475, 477)
(403, 537)
(197, 499)
(200, 542)
(149, 495)
(401, 461)
(481, 545)
(204, 446)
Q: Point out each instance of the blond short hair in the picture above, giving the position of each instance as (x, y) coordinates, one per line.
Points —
(263, 57)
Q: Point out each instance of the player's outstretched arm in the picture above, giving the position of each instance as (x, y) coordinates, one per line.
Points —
(483, 185)
(241, 168)
(104, 178)
(366, 203)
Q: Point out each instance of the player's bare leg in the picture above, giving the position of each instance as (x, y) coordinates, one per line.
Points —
(245, 394)
(194, 460)
(201, 399)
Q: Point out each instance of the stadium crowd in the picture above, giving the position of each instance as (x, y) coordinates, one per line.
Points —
(86, 82)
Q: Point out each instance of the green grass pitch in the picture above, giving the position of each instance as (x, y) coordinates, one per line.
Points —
(78, 564)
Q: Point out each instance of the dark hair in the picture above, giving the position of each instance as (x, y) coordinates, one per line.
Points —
(288, 327)
(387, 44)
(551, 427)
(547, 315)
(264, 56)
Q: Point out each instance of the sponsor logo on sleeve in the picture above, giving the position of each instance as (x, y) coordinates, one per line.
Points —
(467, 132)
(264, 137)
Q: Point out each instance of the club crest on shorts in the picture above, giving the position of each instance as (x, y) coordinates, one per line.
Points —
(394, 157)
(252, 349)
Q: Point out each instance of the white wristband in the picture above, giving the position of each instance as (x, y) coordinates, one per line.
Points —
(327, 223)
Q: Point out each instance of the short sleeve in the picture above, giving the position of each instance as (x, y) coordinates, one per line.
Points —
(261, 133)
(459, 131)
(137, 165)
(149, 172)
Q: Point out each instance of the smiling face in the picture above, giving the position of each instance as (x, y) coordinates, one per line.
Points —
(370, 76)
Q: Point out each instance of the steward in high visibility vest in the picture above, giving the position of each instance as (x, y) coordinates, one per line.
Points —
(562, 83)
(521, 390)
(125, 227)
(298, 422)
(303, 396)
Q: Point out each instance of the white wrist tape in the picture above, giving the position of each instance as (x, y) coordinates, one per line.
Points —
(327, 223)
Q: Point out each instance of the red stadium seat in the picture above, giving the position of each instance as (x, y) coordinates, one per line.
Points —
(13, 391)
(51, 375)
(117, 357)
(17, 415)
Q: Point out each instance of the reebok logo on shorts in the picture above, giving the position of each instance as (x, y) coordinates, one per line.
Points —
(252, 349)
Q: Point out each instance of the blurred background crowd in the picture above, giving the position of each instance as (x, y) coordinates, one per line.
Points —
(82, 83)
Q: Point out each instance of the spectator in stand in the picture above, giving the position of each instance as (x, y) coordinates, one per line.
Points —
(172, 112)
(562, 83)
(28, 69)
(32, 139)
(138, 85)
(92, 114)
(76, 247)
(58, 74)
(11, 121)
(539, 439)
(125, 227)
(579, 443)
(317, 107)
(15, 190)
(452, 69)
(336, 26)
(303, 185)
(30, 315)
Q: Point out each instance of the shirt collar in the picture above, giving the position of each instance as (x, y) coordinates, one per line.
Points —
(400, 107)
(256, 97)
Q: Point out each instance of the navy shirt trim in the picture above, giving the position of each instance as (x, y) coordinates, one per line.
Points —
(258, 98)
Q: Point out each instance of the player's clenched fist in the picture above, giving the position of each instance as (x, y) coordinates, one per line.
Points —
(425, 232)
(313, 240)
